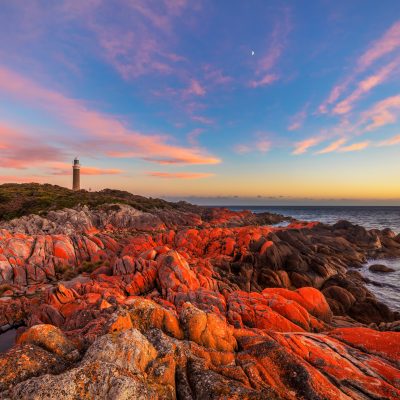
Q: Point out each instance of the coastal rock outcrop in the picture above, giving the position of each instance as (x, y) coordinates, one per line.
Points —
(193, 303)
(380, 268)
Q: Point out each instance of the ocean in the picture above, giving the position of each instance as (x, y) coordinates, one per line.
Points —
(385, 286)
(370, 217)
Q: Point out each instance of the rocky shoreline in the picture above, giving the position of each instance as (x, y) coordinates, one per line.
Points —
(193, 303)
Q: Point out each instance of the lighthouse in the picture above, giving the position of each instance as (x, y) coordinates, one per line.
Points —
(76, 175)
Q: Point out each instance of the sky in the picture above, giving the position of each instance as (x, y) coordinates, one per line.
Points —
(228, 102)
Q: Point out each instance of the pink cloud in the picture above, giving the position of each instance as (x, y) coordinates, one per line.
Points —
(386, 44)
(382, 113)
(303, 146)
(216, 76)
(180, 175)
(364, 87)
(390, 142)
(103, 133)
(355, 147)
(193, 136)
(297, 121)
(195, 88)
(263, 145)
(20, 179)
(266, 80)
(20, 150)
(142, 47)
(277, 43)
(59, 168)
(334, 95)
(332, 147)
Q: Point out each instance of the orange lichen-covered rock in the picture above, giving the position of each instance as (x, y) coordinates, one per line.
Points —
(64, 249)
(269, 364)
(204, 299)
(174, 275)
(25, 361)
(142, 281)
(309, 298)
(64, 295)
(207, 329)
(69, 309)
(265, 246)
(92, 298)
(104, 304)
(120, 322)
(145, 314)
(252, 310)
(128, 348)
(345, 368)
(213, 320)
(293, 311)
(50, 338)
(384, 344)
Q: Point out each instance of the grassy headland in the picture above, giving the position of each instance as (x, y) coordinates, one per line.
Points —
(17, 200)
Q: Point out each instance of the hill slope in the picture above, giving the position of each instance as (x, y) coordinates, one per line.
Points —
(17, 200)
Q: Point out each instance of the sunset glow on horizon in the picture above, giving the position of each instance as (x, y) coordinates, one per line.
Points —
(166, 98)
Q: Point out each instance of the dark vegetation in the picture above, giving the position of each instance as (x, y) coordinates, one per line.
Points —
(17, 200)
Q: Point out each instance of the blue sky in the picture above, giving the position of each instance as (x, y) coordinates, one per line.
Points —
(165, 98)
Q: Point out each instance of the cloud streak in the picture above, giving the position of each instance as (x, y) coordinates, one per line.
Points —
(104, 133)
(277, 43)
(304, 145)
(390, 142)
(385, 45)
(142, 48)
(180, 175)
(297, 120)
(389, 42)
(355, 147)
(261, 144)
(65, 169)
(332, 147)
(19, 150)
(21, 179)
(382, 113)
(365, 86)
(195, 88)
(264, 81)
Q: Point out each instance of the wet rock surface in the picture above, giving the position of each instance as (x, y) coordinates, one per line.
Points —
(118, 303)
(380, 268)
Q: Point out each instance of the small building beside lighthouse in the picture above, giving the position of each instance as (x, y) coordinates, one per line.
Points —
(76, 175)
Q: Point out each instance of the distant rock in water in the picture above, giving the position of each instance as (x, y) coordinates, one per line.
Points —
(380, 268)
(179, 301)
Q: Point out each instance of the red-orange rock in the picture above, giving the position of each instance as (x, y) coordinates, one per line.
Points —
(207, 329)
(146, 314)
(120, 323)
(384, 344)
(309, 298)
(50, 338)
(174, 275)
(252, 310)
(208, 292)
